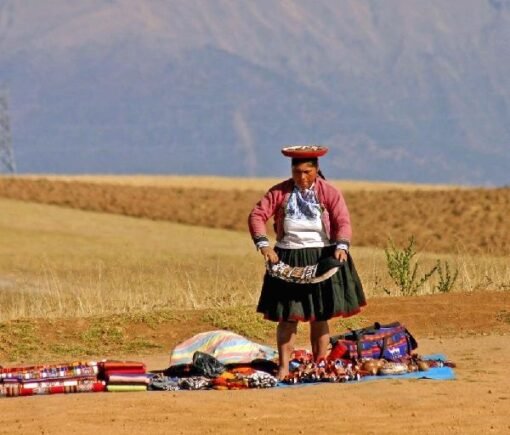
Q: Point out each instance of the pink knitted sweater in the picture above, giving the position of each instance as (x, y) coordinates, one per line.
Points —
(335, 215)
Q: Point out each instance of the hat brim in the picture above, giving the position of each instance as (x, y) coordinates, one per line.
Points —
(304, 151)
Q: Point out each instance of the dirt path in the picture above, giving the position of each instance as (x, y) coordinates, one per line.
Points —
(478, 401)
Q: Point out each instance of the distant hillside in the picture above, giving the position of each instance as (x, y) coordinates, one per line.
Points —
(376, 214)
(400, 90)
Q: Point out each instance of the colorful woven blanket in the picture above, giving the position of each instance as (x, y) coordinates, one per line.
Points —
(125, 388)
(225, 346)
(76, 377)
(106, 368)
(52, 371)
(135, 379)
(124, 376)
(63, 387)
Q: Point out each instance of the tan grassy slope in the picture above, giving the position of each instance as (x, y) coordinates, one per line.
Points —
(447, 221)
(57, 262)
(78, 284)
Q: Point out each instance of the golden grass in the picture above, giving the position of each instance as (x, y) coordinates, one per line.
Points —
(57, 262)
(229, 183)
(63, 262)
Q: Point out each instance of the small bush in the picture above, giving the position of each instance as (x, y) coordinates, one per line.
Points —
(446, 278)
(403, 269)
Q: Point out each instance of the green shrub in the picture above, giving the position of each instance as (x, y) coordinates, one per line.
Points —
(403, 269)
(446, 279)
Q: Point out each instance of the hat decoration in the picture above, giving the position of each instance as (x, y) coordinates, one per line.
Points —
(304, 151)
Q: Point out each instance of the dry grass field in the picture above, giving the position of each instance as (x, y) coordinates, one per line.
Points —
(76, 282)
(82, 263)
(79, 263)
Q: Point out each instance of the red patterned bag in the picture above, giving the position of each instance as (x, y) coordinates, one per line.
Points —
(391, 342)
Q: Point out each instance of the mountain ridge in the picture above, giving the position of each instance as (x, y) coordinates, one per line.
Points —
(400, 91)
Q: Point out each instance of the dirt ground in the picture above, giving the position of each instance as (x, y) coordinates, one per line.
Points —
(471, 329)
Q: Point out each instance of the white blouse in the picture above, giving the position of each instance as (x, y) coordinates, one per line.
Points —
(302, 225)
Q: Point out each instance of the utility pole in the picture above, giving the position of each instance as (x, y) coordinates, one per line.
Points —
(7, 162)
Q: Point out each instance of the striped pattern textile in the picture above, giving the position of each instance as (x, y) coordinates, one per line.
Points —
(75, 377)
(129, 379)
(225, 346)
(64, 378)
(56, 387)
(125, 388)
(50, 371)
(124, 375)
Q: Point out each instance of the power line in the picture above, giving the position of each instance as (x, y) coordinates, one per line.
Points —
(7, 161)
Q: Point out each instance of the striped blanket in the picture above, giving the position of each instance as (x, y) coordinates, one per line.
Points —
(74, 377)
(124, 375)
(55, 387)
(225, 346)
(49, 371)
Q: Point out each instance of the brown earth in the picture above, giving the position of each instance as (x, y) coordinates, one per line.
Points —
(471, 329)
(442, 221)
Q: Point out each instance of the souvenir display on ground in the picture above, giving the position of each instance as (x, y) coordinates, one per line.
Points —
(222, 360)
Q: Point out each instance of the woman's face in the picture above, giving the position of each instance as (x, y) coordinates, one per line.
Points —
(304, 175)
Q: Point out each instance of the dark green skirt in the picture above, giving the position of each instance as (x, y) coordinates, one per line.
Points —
(341, 295)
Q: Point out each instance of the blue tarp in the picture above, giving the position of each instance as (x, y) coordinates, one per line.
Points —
(436, 373)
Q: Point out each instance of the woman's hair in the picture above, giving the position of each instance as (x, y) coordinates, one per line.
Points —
(314, 161)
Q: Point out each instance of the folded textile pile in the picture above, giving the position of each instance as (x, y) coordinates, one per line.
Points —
(206, 372)
(228, 380)
(124, 375)
(218, 360)
(76, 377)
(242, 378)
(162, 382)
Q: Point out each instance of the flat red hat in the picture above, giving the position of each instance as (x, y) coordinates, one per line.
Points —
(304, 151)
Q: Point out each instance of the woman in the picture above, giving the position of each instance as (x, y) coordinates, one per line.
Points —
(311, 222)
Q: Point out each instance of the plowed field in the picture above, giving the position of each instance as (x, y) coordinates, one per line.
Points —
(443, 221)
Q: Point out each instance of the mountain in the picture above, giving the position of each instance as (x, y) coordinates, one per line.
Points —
(399, 90)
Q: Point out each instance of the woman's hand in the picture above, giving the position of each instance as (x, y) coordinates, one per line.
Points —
(269, 254)
(341, 255)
